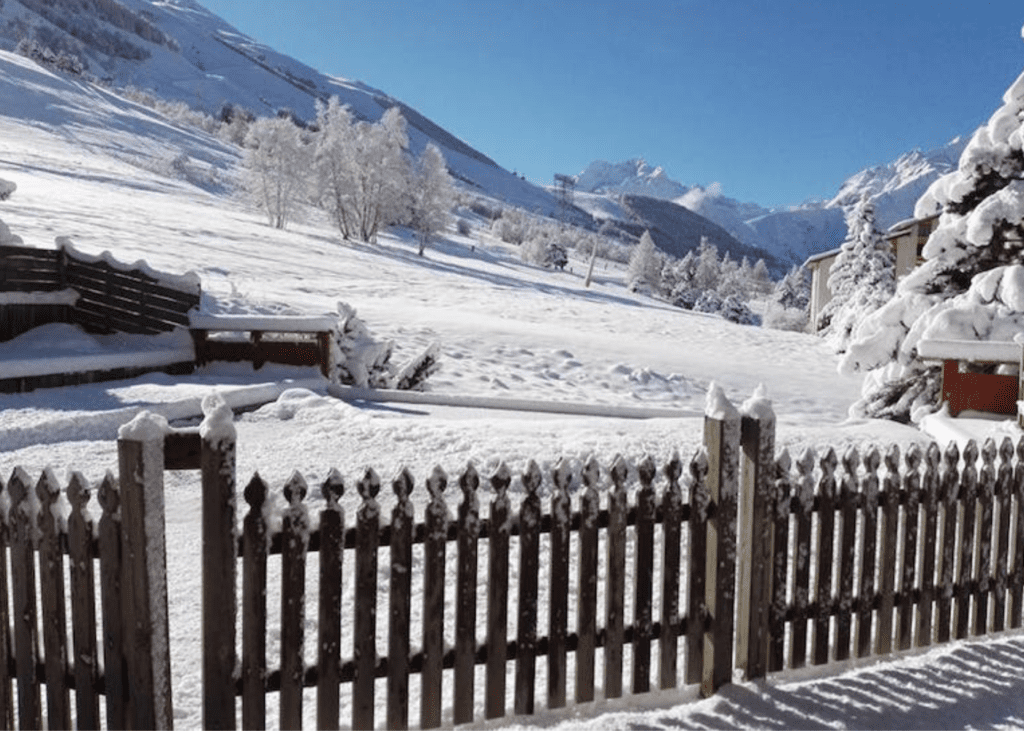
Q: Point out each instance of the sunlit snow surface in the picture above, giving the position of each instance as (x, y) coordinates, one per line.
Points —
(93, 168)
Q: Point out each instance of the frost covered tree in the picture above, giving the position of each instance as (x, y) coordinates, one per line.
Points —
(276, 166)
(971, 284)
(333, 164)
(431, 195)
(644, 270)
(708, 272)
(862, 279)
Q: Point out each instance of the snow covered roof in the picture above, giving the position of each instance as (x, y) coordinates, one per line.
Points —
(817, 258)
(905, 225)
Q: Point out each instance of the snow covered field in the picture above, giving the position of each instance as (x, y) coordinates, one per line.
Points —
(95, 168)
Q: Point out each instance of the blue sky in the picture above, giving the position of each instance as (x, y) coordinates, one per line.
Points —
(779, 101)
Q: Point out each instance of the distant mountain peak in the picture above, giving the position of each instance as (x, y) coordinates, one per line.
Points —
(631, 177)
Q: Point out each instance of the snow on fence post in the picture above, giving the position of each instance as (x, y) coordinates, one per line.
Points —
(722, 441)
(757, 437)
(140, 447)
(217, 462)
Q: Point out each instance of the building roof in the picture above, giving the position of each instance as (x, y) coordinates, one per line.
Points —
(818, 258)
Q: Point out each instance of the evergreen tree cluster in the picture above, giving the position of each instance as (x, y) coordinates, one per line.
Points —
(546, 243)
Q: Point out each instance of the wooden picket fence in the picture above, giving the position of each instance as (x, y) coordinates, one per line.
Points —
(738, 558)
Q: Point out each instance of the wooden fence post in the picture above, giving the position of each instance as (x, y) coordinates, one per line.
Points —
(757, 436)
(217, 462)
(140, 447)
(722, 441)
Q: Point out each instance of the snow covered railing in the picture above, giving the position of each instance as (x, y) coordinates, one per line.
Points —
(295, 340)
(963, 387)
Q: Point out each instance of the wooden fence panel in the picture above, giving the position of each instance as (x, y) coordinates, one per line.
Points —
(929, 519)
(671, 625)
(23, 582)
(586, 613)
(888, 532)
(433, 600)
(364, 626)
(465, 597)
(558, 600)
(255, 546)
(968, 503)
(802, 558)
(54, 615)
(332, 545)
(643, 608)
(400, 609)
(529, 556)
(615, 586)
(824, 558)
(294, 539)
(497, 593)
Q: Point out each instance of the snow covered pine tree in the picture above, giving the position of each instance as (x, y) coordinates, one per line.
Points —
(971, 284)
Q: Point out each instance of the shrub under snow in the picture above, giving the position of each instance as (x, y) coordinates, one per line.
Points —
(363, 361)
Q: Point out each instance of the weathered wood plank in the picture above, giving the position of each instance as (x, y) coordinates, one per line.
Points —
(824, 556)
(968, 539)
(697, 615)
(497, 593)
(1004, 509)
(888, 532)
(332, 549)
(643, 598)
(802, 558)
(848, 510)
(779, 508)
(558, 602)
(586, 616)
(54, 615)
(1017, 577)
(672, 512)
(6, 694)
(615, 586)
(866, 591)
(930, 486)
(364, 626)
(115, 666)
(986, 514)
(433, 600)
(400, 602)
(295, 537)
(908, 568)
(468, 526)
(83, 604)
(23, 585)
(947, 571)
(529, 556)
(255, 546)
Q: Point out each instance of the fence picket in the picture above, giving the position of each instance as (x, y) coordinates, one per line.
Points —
(643, 608)
(497, 593)
(968, 501)
(558, 600)
(908, 574)
(115, 667)
(1004, 505)
(986, 500)
(294, 541)
(332, 545)
(848, 510)
(929, 519)
(697, 614)
(465, 598)
(802, 558)
(83, 604)
(1017, 572)
(433, 600)
(529, 555)
(54, 615)
(826, 546)
(946, 573)
(6, 695)
(586, 613)
(400, 608)
(888, 532)
(23, 584)
(364, 625)
(615, 586)
(671, 530)
(866, 592)
(779, 508)
(254, 605)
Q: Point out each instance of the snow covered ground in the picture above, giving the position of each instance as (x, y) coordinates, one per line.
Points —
(505, 329)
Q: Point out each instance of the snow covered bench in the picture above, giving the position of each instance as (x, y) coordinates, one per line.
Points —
(298, 340)
(964, 387)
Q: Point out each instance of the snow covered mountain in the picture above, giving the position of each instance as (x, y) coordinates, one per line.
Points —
(790, 235)
(180, 51)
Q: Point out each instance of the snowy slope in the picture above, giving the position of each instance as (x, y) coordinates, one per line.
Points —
(207, 63)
